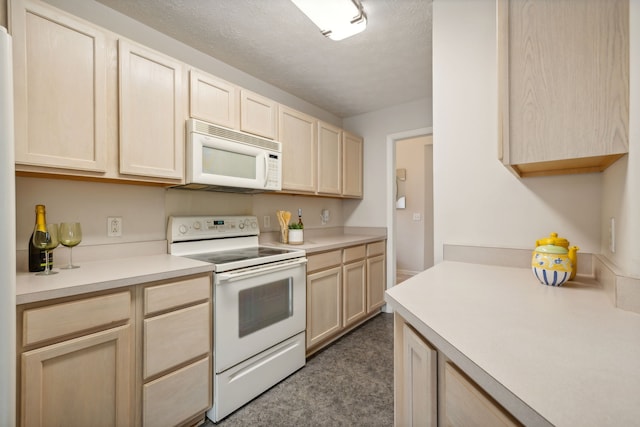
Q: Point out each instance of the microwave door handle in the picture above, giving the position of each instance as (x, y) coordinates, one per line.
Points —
(266, 169)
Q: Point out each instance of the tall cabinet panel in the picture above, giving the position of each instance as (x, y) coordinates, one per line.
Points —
(329, 159)
(352, 152)
(60, 114)
(152, 115)
(298, 138)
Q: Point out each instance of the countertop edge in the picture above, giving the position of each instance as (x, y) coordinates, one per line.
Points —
(523, 412)
(119, 281)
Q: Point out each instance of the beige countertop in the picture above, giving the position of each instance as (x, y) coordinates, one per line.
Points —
(95, 276)
(551, 356)
(117, 272)
(319, 240)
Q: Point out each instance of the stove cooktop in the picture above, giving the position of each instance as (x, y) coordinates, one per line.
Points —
(234, 255)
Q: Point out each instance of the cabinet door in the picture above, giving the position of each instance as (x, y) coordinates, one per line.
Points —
(324, 303)
(299, 156)
(415, 376)
(354, 292)
(258, 115)
(176, 337)
(80, 382)
(329, 159)
(467, 405)
(152, 119)
(175, 398)
(60, 89)
(214, 100)
(352, 165)
(564, 100)
(376, 282)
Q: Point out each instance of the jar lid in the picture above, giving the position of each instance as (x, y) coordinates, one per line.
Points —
(552, 249)
(553, 239)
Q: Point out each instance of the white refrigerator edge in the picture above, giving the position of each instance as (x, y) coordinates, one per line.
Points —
(7, 238)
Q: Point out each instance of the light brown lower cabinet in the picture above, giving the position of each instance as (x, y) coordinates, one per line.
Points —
(85, 381)
(176, 351)
(354, 285)
(136, 356)
(345, 287)
(431, 391)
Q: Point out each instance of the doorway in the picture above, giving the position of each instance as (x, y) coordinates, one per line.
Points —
(423, 209)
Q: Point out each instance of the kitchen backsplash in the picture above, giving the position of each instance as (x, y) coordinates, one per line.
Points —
(144, 209)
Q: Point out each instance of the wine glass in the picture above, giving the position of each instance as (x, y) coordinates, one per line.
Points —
(70, 236)
(46, 240)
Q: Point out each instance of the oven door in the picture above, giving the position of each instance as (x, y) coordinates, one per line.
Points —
(257, 308)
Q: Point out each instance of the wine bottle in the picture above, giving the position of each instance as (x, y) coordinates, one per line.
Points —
(37, 256)
(300, 224)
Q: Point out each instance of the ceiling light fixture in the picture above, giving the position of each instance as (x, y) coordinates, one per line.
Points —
(337, 19)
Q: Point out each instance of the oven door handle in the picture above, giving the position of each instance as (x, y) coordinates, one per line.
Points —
(257, 271)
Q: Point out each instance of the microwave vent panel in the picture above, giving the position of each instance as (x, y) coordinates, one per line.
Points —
(232, 135)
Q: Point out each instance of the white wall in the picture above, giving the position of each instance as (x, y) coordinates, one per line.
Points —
(375, 127)
(477, 201)
(621, 194)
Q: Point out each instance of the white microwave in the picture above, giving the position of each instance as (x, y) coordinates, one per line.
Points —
(222, 159)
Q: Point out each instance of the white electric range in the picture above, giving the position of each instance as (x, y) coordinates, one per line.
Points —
(259, 304)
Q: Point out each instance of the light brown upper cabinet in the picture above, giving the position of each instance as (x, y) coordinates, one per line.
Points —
(258, 115)
(298, 138)
(563, 85)
(352, 153)
(213, 100)
(329, 159)
(60, 90)
(152, 118)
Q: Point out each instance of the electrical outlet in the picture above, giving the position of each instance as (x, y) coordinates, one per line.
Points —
(114, 226)
(266, 222)
(417, 216)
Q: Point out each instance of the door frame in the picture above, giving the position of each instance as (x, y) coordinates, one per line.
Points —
(390, 199)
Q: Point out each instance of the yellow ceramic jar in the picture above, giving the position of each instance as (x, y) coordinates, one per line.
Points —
(553, 262)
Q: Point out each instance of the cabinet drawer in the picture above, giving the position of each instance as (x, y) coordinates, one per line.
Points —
(176, 337)
(324, 260)
(178, 396)
(353, 253)
(164, 297)
(66, 318)
(466, 404)
(375, 248)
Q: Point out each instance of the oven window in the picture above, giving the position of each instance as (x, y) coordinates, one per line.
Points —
(264, 305)
(227, 163)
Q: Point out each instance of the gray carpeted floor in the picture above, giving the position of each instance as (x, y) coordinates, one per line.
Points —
(350, 383)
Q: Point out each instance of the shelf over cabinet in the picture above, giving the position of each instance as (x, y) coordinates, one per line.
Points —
(213, 100)
(563, 85)
(258, 115)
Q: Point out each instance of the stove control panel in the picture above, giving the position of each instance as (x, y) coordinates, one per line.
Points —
(182, 228)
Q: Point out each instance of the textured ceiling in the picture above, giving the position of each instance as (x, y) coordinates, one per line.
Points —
(388, 64)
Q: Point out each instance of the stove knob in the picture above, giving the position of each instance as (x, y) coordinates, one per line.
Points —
(196, 225)
(241, 226)
(254, 224)
(182, 229)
